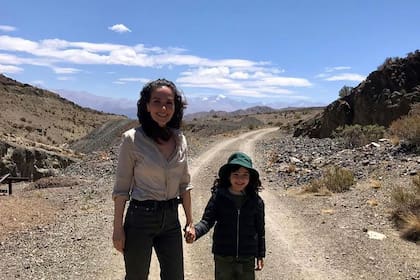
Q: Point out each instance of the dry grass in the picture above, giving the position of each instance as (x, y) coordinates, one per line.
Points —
(411, 227)
(406, 213)
(39, 116)
(407, 128)
(375, 184)
(336, 179)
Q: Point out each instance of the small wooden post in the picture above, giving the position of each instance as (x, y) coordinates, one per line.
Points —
(10, 187)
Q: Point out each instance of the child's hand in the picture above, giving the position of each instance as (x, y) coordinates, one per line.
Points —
(260, 264)
(189, 233)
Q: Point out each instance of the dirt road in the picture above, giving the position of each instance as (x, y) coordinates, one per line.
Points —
(289, 252)
(297, 248)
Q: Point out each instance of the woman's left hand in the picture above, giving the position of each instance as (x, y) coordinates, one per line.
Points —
(189, 233)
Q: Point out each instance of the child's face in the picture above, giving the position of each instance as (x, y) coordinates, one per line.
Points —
(239, 179)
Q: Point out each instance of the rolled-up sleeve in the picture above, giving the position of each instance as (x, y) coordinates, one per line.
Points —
(185, 181)
(125, 168)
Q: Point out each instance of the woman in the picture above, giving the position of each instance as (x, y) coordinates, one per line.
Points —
(153, 174)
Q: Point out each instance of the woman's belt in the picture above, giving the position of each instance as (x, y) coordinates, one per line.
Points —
(157, 204)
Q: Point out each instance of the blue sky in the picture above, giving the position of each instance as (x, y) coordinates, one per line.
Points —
(267, 51)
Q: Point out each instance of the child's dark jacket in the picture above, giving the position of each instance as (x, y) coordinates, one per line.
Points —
(238, 232)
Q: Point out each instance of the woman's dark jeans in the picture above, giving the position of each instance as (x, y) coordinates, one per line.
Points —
(158, 227)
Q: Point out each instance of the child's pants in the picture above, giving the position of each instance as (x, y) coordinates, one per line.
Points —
(232, 268)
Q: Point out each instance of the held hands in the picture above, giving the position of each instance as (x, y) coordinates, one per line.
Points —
(260, 264)
(189, 233)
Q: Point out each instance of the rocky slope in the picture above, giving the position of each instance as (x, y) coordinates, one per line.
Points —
(383, 97)
(38, 115)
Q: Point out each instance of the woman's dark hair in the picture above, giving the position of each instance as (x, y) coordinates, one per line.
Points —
(150, 127)
(253, 187)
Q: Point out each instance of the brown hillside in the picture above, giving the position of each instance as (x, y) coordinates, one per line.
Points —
(30, 115)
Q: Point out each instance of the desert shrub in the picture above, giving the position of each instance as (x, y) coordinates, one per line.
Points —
(407, 128)
(388, 61)
(345, 91)
(336, 179)
(357, 135)
(315, 186)
(406, 213)
(411, 227)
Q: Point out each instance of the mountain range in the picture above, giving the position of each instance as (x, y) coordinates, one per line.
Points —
(128, 107)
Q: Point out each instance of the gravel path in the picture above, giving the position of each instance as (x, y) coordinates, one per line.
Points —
(63, 230)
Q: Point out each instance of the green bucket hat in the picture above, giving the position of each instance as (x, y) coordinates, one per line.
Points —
(240, 159)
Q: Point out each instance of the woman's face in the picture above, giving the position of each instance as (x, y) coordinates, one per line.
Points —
(161, 105)
(239, 179)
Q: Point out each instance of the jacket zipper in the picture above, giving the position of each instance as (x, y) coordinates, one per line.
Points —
(237, 234)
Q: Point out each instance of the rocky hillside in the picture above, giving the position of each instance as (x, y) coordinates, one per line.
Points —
(37, 128)
(32, 115)
(387, 94)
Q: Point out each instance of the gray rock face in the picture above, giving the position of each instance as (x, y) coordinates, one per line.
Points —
(30, 162)
(385, 95)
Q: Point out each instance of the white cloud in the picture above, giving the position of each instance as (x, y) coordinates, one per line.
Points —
(286, 81)
(119, 28)
(142, 80)
(64, 78)
(62, 70)
(239, 75)
(337, 68)
(7, 28)
(225, 76)
(10, 69)
(8, 43)
(37, 82)
(320, 76)
(346, 77)
(240, 83)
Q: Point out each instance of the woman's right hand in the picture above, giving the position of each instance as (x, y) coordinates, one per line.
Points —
(118, 238)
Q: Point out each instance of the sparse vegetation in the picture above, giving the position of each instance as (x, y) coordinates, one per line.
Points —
(336, 179)
(407, 128)
(357, 135)
(406, 213)
(388, 61)
(345, 91)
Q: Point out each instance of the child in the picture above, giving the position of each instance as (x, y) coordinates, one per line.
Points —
(238, 212)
